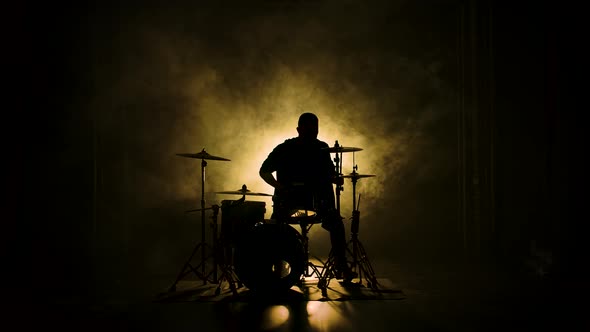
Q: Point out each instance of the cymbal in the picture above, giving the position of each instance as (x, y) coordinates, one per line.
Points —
(243, 191)
(335, 149)
(357, 176)
(239, 192)
(201, 155)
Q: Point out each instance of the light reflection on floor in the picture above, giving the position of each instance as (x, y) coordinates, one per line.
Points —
(295, 316)
(274, 316)
(329, 316)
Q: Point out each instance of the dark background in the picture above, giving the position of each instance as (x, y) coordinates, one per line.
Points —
(478, 95)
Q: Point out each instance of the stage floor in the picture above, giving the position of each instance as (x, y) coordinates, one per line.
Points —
(425, 297)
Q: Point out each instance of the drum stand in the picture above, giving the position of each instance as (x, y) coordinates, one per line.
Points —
(305, 222)
(305, 227)
(188, 267)
(227, 272)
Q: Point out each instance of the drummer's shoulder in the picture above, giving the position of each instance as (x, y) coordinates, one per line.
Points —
(289, 141)
(322, 144)
(285, 146)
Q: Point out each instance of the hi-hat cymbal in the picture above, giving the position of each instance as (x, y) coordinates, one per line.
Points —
(357, 176)
(335, 149)
(243, 191)
(201, 155)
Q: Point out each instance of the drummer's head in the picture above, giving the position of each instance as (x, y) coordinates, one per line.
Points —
(307, 127)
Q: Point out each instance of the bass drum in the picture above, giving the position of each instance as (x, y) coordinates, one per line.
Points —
(270, 258)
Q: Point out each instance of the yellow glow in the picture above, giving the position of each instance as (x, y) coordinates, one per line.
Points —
(246, 130)
(245, 164)
(274, 316)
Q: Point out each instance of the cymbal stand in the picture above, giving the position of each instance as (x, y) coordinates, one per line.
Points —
(329, 270)
(360, 260)
(188, 267)
(338, 166)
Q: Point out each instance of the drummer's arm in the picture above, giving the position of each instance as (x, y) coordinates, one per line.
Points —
(269, 178)
(269, 166)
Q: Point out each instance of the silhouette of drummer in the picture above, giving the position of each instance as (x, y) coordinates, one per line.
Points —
(304, 180)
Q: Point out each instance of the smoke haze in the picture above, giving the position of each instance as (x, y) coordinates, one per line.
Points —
(233, 80)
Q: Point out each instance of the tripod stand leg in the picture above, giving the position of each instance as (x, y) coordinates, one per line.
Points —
(361, 260)
(188, 267)
(353, 254)
(327, 274)
(187, 264)
(227, 275)
(368, 268)
(223, 258)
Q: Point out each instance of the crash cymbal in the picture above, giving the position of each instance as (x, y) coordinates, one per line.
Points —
(243, 191)
(201, 155)
(335, 149)
(357, 176)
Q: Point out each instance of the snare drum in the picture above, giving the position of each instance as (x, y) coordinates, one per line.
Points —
(239, 216)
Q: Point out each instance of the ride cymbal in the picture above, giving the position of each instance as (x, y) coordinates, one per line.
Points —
(338, 149)
(201, 155)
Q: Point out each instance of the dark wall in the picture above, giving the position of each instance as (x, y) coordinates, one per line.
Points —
(51, 175)
(523, 127)
(48, 150)
(539, 182)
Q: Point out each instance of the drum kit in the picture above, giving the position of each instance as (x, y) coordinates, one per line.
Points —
(268, 255)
